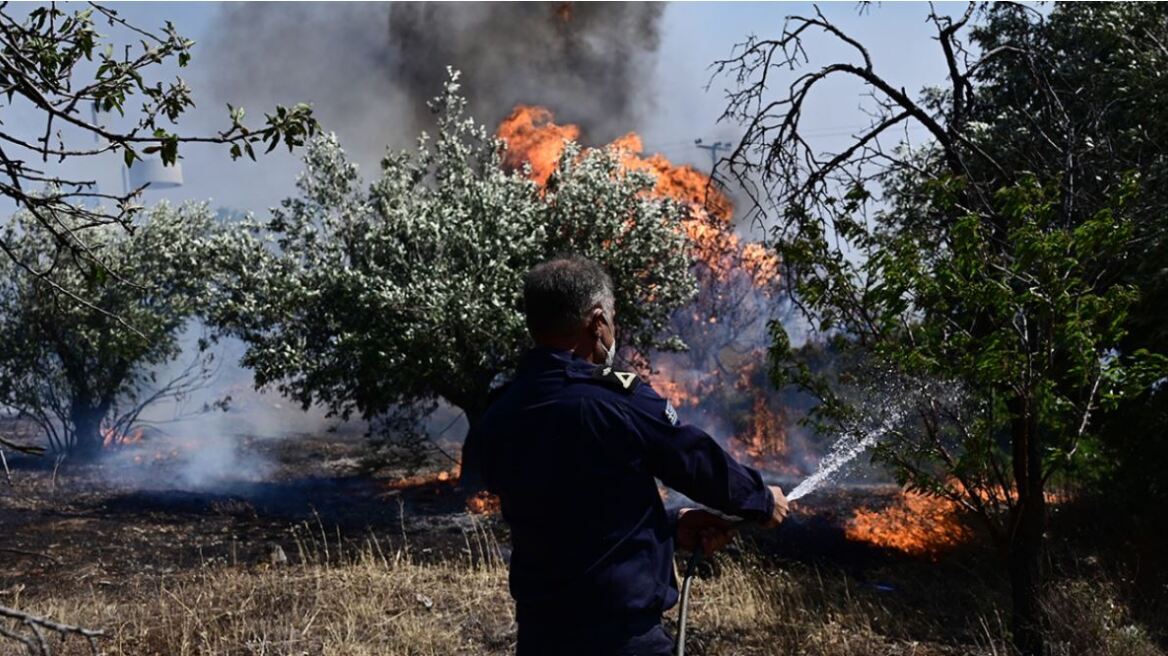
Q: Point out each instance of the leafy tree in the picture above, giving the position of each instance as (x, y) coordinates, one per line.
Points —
(410, 289)
(56, 66)
(1097, 124)
(83, 373)
(988, 296)
(80, 84)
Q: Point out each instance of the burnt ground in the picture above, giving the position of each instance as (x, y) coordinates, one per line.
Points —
(104, 520)
(120, 516)
(101, 521)
(97, 524)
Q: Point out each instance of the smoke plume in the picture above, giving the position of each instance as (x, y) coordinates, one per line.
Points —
(370, 68)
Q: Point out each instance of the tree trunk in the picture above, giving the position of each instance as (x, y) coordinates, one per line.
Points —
(471, 477)
(87, 437)
(474, 406)
(1027, 522)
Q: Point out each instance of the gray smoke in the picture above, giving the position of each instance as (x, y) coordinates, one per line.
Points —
(585, 61)
(370, 68)
(218, 434)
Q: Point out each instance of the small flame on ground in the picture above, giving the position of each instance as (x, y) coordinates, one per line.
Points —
(479, 503)
(113, 438)
(483, 503)
(423, 480)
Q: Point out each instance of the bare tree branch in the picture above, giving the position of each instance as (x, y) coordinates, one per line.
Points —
(37, 643)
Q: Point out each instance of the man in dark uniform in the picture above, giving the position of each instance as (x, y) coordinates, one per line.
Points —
(572, 448)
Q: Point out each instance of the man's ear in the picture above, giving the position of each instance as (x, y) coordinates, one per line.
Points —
(596, 319)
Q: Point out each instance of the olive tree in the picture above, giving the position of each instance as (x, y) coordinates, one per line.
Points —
(77, 370)
(367, 298)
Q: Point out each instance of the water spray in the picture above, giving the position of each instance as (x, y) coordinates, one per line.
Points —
(834, 462)
(842, 452)
(853, 443)
(846, 449)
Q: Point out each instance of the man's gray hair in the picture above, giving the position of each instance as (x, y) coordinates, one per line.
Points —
(559, 294)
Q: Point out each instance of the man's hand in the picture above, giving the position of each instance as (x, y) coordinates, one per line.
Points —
(697, 528)
(779, 510)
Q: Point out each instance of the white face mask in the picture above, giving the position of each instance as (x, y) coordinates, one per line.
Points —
(609, 353)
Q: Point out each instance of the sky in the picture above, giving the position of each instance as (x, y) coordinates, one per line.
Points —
(680, 108)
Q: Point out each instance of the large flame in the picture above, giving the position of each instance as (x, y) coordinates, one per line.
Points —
(917, 524)
(534, 139)
(726, 262)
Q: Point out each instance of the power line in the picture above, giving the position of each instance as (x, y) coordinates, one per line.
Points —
(825, 131)
(713, 148)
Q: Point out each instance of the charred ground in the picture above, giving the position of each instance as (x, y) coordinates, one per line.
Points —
(171, 570)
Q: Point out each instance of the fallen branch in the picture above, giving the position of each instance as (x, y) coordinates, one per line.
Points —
(23, 448)
(35, 554)
(36, 643)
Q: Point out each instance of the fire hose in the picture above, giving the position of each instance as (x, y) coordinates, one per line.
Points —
(691, 567)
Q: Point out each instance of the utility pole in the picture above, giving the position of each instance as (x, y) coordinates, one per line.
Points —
(713, 148)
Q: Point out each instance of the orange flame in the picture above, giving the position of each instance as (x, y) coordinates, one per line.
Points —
(763, 445)
(765, 441)
(480, 503)
(680, 388)
(423, 480)
(483, 503)
(761, 263)
(535, 140)
(112, 438)
(917, 524)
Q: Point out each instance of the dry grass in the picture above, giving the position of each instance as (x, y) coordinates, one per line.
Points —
(372, 601)
(1087, 618)
(750, 608)
(382, 601)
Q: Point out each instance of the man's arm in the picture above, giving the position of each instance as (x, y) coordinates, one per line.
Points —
(688, 460)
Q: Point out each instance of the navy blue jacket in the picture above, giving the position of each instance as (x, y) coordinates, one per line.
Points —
(572, 450)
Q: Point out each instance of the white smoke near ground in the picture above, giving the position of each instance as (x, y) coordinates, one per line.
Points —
(207, 438)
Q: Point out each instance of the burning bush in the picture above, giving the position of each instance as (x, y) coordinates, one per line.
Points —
(737, 289)
(410, 289)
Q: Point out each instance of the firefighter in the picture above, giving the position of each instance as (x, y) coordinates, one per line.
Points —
(572, 447)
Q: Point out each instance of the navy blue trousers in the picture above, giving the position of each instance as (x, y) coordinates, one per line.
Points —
(539, 640)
